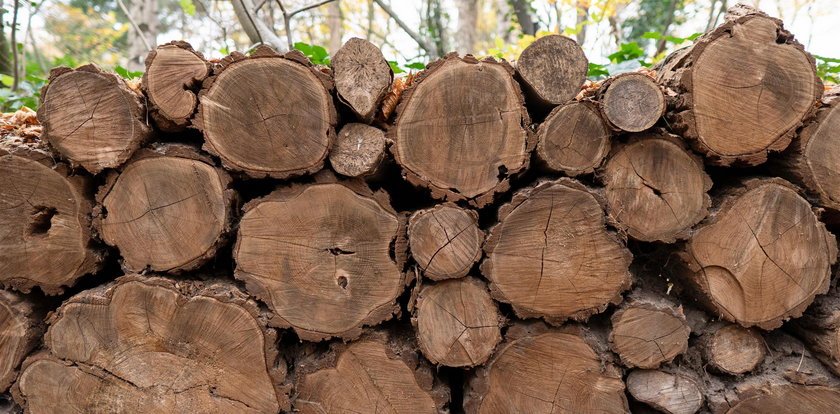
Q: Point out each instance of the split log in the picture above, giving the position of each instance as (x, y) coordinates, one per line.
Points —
(458, 324)
(374, 372)
(648, 331)
(734, 350)
(92, 117)
(445, 241)
(748, 79)
(819, 328)
(552, 69)
(541, 371)
(811, 159)
(631, 102)
(655, 188)
(461, 129)
(551, 256)
(152, 345)
(20, 332)
(267, 115)
(174, 73)
(745, 264)
(573, 139)
(45, 216)
(668, 393)
(166, 210)
(362, 77)
(358, 150)
(327, 258)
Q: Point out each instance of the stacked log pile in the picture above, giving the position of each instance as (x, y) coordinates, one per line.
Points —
(259, 235)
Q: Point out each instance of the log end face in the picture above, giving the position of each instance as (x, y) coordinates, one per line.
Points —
(647, 336)
(553, 69)
(735, 350)
(574, 139)
(174, 72)
(668, 393)
(362, 77)
(358, 150)
(632, 102)
(445, 241)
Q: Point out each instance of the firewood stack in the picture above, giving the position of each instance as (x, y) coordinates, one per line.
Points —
(260, 235)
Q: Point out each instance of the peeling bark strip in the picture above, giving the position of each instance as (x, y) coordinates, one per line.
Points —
(45, 221)
(761, 257)
(267, 115)
(461, 129)
(166, 210)
(552, 69)
(153, 345)
(445, 241)
(362, 77)
(573, 139)
(741, 90)
(551, 256)
(174, 73)
(326, 258)
(92, 118)
(655, 188)
(20, 332)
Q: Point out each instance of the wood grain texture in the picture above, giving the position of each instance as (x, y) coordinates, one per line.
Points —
(358, 150)
(552, 69)
(573, 139)
(735, 350)
(362, 77)
(445, 241)
(174, 73)
(819, 327)
(646, 334)
(20, 332)
(668, 393)
(790, 399)
(631, 102)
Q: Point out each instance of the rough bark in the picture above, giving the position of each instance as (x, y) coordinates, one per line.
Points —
(92, 118)
(445, 241)
(362, 77)
(358, 150)
(749, 79)
(573, 139)
(819, 328)
(460, 129)
(168, 209)
(267, 115)
(551, 255)
(631, 102)
(20, 332)
(174, 73)
(327, 258)
(552, 69)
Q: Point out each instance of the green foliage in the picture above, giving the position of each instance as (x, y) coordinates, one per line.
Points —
(396, 68)
(627, 51)
(316, 54)
(597, 71)
(28, 93)
(828, 69)
(125, 73)
(187, 6)
(673, 39)
(653, 16)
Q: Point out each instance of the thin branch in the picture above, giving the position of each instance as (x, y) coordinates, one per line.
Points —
(133, 24)
(287, 17)
(15, 63)
(411, 33)
(311, 6)
(257, 30)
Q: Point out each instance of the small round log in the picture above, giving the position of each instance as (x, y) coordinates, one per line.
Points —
(445, 241)
(573, 139)
(358, 150)
(646, 334)
(668, 393)
(362, 77)
(552, 69)
(735, 350)
(631, 102)
(174, 72)
(20, 332)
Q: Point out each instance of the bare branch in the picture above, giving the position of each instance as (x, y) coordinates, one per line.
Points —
(133, 24)
(411, 33)
(15, 69)
(257, 30)
(287, 17)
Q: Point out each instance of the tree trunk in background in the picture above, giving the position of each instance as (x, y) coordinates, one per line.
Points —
(144, 13)
(5, 53)
(522, 9)
(502, 20)
(334, 22)
(582, 7)
(467, 18)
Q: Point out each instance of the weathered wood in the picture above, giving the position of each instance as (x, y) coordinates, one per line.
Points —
(460, 129)
(174, 73)
(746, 265)
(734, 350)
(668, 393)
(45, 216)
(326, 258)
(151, 345)
(748, 79)
(573, 139)
(92, 117)
(267, 115)
(552, 69)
(648, 331)
(656, 190)
(458, 324)
(819, 328)
(543, 371)
(168, 209)
(358, 150)
(551, 255)
(445, 241)
(20, 332)
(789, 399)
(631, 102)
(362, 77)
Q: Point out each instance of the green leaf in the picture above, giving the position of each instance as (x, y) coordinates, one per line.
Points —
(125, 73)
(597, 71)
(416, 66)
(395, 68)
(305, 48)
(187, 6)
(7, 80)
(694, 36)
(652, 35)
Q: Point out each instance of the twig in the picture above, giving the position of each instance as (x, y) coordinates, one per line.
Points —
(287, 17)
(411, 33)
(15, 70)
(133, 24)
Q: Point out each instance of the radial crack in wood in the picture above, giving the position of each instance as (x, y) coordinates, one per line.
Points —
(646, 335)
(573, 139)
(445, 241)
(20, 332)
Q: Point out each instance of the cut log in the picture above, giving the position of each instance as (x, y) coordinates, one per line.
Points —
(267, 115)
(445, 241)
(789, 399)
(358, 150)
(326, 258)
(811, 159)
(174, 73)
(367, 375)
(573, 139)
(747, 266)
(458, 324)
(631, 102)
(92, 118)
(552, 69)
(646, 333)
(819, 328)
(551, 256)
(668, 393)
(748, 79)
(735, 350)
(152, 345)
(166, 210)
(45, 216)
(20, 332)
(542, 372)
(461, 129)
(655, 188)
(362, 77)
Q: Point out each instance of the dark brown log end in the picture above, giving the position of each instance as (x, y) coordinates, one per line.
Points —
(20, 332)
(358, 150)
(174, 73)
(573, 139)
(552, 69)
(631, 102)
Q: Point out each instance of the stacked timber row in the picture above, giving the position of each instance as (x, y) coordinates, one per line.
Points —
(260, 235)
